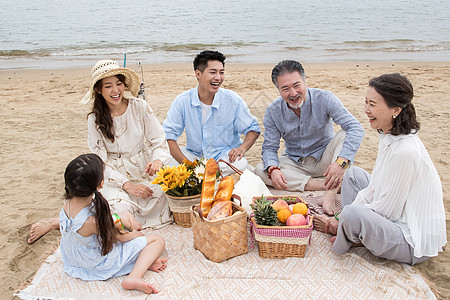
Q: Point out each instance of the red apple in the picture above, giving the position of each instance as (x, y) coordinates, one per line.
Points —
(279, 205)
(296, 220)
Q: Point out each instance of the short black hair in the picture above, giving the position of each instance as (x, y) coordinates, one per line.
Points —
(201, 60)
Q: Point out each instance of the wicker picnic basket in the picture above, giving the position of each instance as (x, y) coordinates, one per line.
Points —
(282, 241)
(221, 239)
(181, 208)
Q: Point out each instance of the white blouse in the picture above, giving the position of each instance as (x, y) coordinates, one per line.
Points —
(406, 189)
(139, 139)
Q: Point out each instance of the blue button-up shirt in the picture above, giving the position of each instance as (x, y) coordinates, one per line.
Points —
(227, 120)
(310, 134)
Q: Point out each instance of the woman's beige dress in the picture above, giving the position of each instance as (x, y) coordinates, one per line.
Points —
(139, 139)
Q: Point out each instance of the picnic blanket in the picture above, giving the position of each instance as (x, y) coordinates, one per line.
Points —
(189, 275)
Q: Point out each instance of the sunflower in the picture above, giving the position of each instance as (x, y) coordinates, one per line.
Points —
(181, 180)
(190, 164)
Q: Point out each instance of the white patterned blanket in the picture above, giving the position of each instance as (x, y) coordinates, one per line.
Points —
(319, 275)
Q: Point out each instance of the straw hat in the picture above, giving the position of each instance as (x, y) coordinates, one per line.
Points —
(107, 68)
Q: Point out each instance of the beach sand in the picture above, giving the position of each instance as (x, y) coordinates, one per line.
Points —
(43, 127)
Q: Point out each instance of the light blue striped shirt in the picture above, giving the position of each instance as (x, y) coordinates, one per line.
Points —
(310, 134)
(227, 120)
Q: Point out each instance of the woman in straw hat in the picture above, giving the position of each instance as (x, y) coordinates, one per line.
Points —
(125, 133)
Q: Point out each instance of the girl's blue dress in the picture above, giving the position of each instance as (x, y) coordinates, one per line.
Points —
(82, 256)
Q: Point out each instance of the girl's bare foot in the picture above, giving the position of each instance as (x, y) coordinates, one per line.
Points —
(325, 224)
(41, 228)
(130, 283)
(158, 265)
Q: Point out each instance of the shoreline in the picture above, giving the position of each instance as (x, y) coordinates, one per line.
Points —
(54, 63)
(44, 127)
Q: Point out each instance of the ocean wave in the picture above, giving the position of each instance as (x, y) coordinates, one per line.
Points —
(19, 53)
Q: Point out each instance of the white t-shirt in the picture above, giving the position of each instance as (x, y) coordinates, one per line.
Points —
(205, 111)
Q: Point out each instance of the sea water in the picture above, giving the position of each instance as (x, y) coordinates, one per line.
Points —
(56, 33)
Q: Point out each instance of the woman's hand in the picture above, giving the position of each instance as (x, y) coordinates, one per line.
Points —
(138, 190)
(153, 167)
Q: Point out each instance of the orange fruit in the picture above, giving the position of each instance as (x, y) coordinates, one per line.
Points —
(283, 215)
(300, 208)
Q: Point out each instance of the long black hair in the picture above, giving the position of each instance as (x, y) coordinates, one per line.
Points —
(397, 91)
(101, 110)
(82, 177)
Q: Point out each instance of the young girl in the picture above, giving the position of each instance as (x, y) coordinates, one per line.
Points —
(92, 248)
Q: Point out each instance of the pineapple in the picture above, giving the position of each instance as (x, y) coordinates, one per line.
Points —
(264, 212)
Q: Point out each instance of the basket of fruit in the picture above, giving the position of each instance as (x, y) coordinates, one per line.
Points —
(282, 225)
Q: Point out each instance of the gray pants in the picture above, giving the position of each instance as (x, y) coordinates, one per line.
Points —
(358, 224)
(298, 173)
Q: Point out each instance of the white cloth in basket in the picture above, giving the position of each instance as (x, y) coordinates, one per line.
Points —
(250, 185)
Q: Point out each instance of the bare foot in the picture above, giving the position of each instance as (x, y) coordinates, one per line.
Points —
(41, 228)
(130, 283)
(333, 239)
(328, 199)
(326, 224)
(158, 265)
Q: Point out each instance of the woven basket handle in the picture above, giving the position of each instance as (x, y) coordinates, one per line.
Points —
(231, 166)
(234, 196)
(199, 210)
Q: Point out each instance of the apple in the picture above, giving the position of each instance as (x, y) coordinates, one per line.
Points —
(296, 220)
(279, 205)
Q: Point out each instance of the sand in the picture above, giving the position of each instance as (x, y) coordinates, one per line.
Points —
(43, 127)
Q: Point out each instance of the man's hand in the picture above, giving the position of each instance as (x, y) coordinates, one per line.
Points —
(137, 190)
(236, 153)
(239, 152)
(153, 167)
(278, 180)
(334, 176)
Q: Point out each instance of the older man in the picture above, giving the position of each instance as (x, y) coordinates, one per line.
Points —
(315, 158)
(214, 118)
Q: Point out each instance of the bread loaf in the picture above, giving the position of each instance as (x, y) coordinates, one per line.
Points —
(220, 211)
(208, 186)
(224, 191)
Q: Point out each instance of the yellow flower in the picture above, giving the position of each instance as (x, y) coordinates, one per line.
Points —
(162, 174)
(178, 180)
(189, 163)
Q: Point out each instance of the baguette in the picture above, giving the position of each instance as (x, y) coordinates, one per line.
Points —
(208, 186)
(225, 190)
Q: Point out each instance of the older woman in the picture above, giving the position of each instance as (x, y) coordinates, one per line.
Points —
(397, 213)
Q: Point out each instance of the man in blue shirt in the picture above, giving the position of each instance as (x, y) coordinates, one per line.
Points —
(214, 118)
(315, 158)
